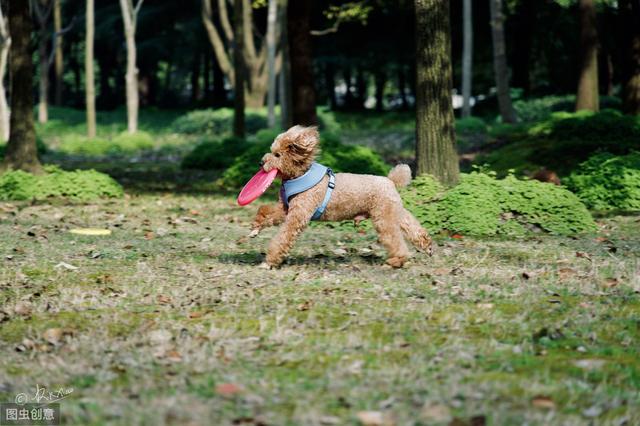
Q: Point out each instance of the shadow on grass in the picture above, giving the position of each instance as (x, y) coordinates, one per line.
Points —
(255, 258)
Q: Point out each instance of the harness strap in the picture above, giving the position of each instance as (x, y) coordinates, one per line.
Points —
(327, 196)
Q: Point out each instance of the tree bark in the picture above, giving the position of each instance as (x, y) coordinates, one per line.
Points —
(5, 45)
(42, 9)
(286, 101)
(467, 57)
(130, 16)
(90, 91)
(59, 59)
(435, 130)
(21, 152)
(272, 24)
(500, 68)
(587, 97)
(302, 89)
(239, 70)
(630, 13)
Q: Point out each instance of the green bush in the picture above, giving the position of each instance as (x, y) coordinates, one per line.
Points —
(608, 182)
(538, 109)
(123, 143)
(79, 185)
(567, 139)
(214, 154)
(483, 205)
(471, 133)
(334, 154)
(217, 122)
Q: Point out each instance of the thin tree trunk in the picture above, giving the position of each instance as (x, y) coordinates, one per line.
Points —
(286, 101)
(272, 24)
(630, 13)
(238, 65)
(361, 87)
(219, 90)
(435, 130)
(130, 16)
(59, 59)
(302, 91)
(5, 45)
(467, 57)
(43, 104)
(380, 80)
(21, 152)
(500, 63)
(195, 78)
(90, 91)
(348, 96)
(587, 97)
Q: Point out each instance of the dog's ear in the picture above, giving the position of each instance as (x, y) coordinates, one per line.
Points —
(303, 140)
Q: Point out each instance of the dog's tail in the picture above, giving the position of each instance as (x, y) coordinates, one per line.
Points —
(400, 175)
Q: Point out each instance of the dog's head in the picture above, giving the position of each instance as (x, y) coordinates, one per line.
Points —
(292, 152)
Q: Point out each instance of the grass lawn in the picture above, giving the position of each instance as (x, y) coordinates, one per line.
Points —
(170, 321)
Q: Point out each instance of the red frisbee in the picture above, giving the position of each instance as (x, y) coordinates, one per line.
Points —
(256, 186)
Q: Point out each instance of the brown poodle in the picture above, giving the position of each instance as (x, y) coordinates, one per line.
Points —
(352, 197)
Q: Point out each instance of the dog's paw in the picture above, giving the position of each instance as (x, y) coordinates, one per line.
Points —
(265, 265)
(396, 262)
(254, 233)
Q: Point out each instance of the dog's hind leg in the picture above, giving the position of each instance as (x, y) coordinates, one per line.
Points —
(386, 223)
(415, 233)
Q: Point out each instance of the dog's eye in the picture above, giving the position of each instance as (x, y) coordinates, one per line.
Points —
(277, 154)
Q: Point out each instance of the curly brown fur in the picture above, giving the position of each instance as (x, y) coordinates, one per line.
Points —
(354, 197)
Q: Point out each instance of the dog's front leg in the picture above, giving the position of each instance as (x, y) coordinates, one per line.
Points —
(296, 221)
(269, 215)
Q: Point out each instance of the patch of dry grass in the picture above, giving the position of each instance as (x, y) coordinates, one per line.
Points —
(160, 314)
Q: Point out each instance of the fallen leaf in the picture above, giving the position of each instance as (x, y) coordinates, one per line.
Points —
(53, 335)
(371, 418)
(565, 273)
(485, 305)
(195, 314)
(583, 255)
(611, 282)
(64, 265)
(163, 299)
(149, 236)
(340, 252)
(542, 401)
(435, 412)
(228, 389)
(173, 356)
(304, 306)
(23, 309)
(90, 231)
(457, 236)
(526, 275)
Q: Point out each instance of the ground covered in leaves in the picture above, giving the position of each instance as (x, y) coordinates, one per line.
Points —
(169, 320)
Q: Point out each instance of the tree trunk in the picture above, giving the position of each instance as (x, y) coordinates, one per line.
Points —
(303, 93)
(130, 16)
(239, 70)
(467, 58)
(435, 130)
(587, 97)
(90, 91)
(219, 90)
(5, 45)
(272, 24)
(43, 104)
(500, 63)
(21, 152)
(59, 59)
(348, 96)
(361, 87)
(525, 25)
(630, 13)
(380, 80)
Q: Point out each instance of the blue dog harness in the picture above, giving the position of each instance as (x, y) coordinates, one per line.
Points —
(311, 178)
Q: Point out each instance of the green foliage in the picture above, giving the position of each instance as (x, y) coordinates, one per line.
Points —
(334, 154)
(216, 122)
(123, 143)
(214, 154)
(565, 140)
(79, 185)
(608, 182)
(538, 109)
(471, 133)
(483, 205)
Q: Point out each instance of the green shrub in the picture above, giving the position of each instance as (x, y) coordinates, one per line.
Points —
(608, 182)
(214, 154)
(334, 154)
(217, 122)
(567, 139)
(79, 185)
(538, 109)
(471, 133)
(483, 205)
(123, 143)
